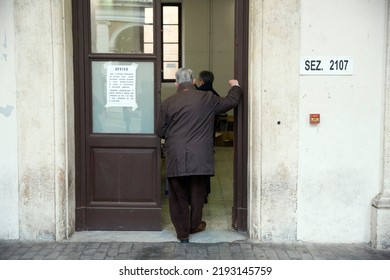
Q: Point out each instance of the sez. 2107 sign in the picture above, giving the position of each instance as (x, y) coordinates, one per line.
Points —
(320, 65)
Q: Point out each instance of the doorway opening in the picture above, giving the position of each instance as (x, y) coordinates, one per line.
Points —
(217, 212)
(118, 178)
(205, 47)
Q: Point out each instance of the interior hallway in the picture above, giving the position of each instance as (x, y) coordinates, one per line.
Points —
(216, 213)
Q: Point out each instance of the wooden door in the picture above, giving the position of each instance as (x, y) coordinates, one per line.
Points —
(117, 85)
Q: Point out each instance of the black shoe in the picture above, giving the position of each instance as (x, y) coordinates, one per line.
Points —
(184, 240)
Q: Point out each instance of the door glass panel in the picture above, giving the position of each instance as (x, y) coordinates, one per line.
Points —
(121, 26)
(122, 97)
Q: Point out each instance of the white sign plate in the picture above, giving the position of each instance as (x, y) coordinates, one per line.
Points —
(326, 65)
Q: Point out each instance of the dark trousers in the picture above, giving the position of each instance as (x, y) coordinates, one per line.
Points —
(186, 199)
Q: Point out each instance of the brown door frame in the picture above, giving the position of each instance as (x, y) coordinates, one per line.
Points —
(79, 45)
(239, 209)
(240, 195)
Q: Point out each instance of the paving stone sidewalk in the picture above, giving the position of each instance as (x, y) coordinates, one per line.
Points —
(65, 250)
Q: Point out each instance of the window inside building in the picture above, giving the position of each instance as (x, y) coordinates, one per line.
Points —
(171, 18)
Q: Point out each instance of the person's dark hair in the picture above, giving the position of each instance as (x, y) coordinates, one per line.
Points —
(207, 77)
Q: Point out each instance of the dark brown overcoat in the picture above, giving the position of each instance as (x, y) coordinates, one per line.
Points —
(186, 122)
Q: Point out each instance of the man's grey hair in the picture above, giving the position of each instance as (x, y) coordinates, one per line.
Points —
(184, 75)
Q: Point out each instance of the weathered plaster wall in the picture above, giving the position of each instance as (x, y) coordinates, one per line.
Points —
(380, 224)
(34, 73)
(340, 159)
(315, 183)
(9, 226)
(70, 154)
(254, 119)
(274, 90)
(38, 139)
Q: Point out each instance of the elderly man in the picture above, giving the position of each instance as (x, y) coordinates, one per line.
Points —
(186, 122)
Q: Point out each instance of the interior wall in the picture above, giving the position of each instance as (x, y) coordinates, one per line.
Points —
(340, 158)
(205, 46)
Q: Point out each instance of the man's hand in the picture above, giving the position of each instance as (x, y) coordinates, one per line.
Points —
(233, 83)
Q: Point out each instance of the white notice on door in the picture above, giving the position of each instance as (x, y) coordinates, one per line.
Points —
(121, 90)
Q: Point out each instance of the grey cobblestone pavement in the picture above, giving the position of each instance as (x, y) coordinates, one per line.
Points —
(65, 250)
